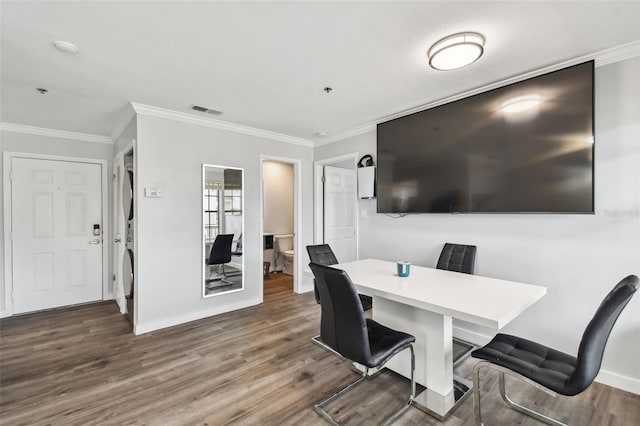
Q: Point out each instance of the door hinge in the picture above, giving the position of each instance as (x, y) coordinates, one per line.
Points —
(114, 277)
(322, 179)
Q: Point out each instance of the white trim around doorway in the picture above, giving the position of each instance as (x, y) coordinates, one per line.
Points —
(318, 197)
(297, 219)
(107, 294)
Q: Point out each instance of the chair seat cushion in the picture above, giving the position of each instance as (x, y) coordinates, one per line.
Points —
(385, 342)
(543, 365)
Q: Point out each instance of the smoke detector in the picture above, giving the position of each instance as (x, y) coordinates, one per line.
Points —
(66, 47)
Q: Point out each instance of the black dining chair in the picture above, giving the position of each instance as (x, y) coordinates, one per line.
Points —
(323, 255)
(344, 328)
(459, 258)
(550, 370)
(221, 252)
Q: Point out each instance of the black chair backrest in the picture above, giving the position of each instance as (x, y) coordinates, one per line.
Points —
(595, 336)
(322, 255)
(221, 250)
(343, 326)
(458, 258)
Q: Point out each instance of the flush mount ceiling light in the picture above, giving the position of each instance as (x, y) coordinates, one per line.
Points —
(66, 47)
(520, 103)
(456, 51)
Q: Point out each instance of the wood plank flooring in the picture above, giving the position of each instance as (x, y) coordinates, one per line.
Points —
(256, 366)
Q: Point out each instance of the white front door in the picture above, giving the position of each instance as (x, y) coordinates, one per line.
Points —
(57, 259)
(339, 212)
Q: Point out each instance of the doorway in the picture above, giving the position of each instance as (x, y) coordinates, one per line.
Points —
(280, 224)
(56, 218)
(336, 205)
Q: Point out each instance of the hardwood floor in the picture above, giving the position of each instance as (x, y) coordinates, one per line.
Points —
(256, 366)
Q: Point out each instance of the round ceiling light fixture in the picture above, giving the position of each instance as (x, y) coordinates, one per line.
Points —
(456, 51)
(66, 47)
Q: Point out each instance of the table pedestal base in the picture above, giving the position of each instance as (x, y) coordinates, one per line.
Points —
(434, 405)
(433, 350)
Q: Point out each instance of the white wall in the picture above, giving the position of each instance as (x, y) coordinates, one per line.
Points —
(278, 197)
(127, 136)
(39, 144)
(577, 257)
(170, 154)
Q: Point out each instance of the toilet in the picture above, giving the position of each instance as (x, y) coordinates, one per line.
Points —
(287, 266)
(285, 249)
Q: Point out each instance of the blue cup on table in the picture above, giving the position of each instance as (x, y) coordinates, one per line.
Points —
(404, 267)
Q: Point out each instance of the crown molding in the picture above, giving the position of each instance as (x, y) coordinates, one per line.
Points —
(218, 124)
(355, 131)
(615, 54)
(63, 134)
(601, 58)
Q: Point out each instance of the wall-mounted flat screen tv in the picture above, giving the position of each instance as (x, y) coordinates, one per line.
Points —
(522, 148)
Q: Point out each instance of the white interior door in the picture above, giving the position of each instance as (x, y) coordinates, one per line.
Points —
(339, 212)
(57, 259)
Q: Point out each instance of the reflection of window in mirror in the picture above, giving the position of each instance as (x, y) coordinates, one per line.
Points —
(211, 203)
(222, 230)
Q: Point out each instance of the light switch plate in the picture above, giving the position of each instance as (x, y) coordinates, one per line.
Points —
(152, 192)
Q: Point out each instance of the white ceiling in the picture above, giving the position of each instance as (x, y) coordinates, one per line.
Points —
(264, 64)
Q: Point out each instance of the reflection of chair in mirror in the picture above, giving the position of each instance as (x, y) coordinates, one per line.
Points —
(546, 368)
(220, 254)
(458, 258)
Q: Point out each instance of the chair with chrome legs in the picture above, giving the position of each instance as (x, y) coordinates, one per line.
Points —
(550, 370)
(459, 258)
(323, 255)
(344, 328)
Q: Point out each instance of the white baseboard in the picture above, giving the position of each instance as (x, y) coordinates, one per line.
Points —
(619, 381)
(5, 313)
(307, 282)
(608, 378)
(191, 316)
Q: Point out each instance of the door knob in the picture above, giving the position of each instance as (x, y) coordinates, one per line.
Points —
(98, 241)
(118, 240)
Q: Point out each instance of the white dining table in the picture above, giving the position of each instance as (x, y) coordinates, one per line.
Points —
(423, 304)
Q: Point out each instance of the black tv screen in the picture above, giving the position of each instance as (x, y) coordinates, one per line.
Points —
(522, 148)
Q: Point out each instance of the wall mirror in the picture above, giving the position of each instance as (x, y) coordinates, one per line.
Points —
(222, 227)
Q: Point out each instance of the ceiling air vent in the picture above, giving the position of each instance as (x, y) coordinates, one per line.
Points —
(205, 109)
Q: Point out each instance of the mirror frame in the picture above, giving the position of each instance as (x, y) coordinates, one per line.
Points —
(202, 239)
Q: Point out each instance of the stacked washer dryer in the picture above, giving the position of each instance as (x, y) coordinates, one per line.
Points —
(128, 260)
